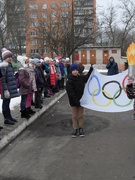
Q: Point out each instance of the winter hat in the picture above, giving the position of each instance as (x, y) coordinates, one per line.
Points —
(67, 59)
(32, 61)
(37, 60)
(46, 59)
(59, 58)
(73, 67)
(22, 59)
(6, 53)
(41, 60)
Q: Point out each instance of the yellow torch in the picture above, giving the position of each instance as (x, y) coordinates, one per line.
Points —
(131, 60)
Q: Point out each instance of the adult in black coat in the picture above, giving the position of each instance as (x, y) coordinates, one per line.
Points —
(75, 87)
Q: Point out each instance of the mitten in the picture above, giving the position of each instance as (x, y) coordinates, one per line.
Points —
(6, 94)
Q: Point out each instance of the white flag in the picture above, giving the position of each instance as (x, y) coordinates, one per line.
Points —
(106, 93)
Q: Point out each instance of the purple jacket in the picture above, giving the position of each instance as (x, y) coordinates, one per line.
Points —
(25, 82)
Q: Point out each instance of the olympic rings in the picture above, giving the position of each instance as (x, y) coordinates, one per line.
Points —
(123, 82)
(101, 104)
(119, 104)
(109, 83)
(99, 89)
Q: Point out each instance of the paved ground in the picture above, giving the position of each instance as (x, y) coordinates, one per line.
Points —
(45, 150)
(8, 133)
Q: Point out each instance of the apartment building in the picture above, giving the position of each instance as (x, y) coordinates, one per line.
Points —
(38, 18)
(41, 20)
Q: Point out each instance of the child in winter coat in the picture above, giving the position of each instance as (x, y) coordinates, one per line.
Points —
(75, 86)
(26, 87)
(40, 82)
(9, 89)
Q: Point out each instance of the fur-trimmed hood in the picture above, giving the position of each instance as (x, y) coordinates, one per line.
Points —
(3, 64)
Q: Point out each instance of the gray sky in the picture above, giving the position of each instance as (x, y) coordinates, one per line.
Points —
(104, 3)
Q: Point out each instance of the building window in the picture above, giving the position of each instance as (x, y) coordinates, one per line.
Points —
(34, 24)
(53, 5)
(33, 51)
(33, 6)
(64, 14)
(33, 33)
(88, 11)
(44, 23)
(54, 23)
(53, 14)
(44, 42)
(65, 4)
(34, 42)
(44, 6)
(33, 15)
(80, 12)
(44, 15)
(114, 51)
(45, 51)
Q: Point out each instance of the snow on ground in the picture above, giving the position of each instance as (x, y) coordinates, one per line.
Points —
(14, 102)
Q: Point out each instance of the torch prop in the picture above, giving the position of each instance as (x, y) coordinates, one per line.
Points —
(131, 61)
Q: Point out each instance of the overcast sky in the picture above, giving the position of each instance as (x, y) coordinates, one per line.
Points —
(105, 3)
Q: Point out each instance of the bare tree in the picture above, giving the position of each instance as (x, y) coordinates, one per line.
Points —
(16, 30)
(3, 24)
(117, 24)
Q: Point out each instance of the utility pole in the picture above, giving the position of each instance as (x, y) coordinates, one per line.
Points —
(73, 29)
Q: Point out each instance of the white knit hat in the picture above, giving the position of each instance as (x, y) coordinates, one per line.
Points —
(46, 59)
(6, 53)
(67, 59)
(22, 59)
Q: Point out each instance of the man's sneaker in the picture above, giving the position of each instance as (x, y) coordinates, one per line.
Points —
(81, 133)
(74, 133)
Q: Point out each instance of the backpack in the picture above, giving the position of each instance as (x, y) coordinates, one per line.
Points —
(17, 79)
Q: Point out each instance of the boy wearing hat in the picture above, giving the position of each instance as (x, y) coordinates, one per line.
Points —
(75, 86)
(9, 89)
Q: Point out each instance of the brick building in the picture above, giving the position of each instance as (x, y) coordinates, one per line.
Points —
(38, 18)
(26, 33)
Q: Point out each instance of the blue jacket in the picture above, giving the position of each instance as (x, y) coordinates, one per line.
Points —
(112, 68)
(8, 81)
(61, 65)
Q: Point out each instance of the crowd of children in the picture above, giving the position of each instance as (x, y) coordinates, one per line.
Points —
(38, 78)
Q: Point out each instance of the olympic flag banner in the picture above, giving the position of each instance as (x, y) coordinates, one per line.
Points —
(106, 93)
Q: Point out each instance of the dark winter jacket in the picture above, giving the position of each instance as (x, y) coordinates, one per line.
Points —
(75, 87)
(112, 68)
(40, 79)
(8, 81)
(61, 65)
(130, 91)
